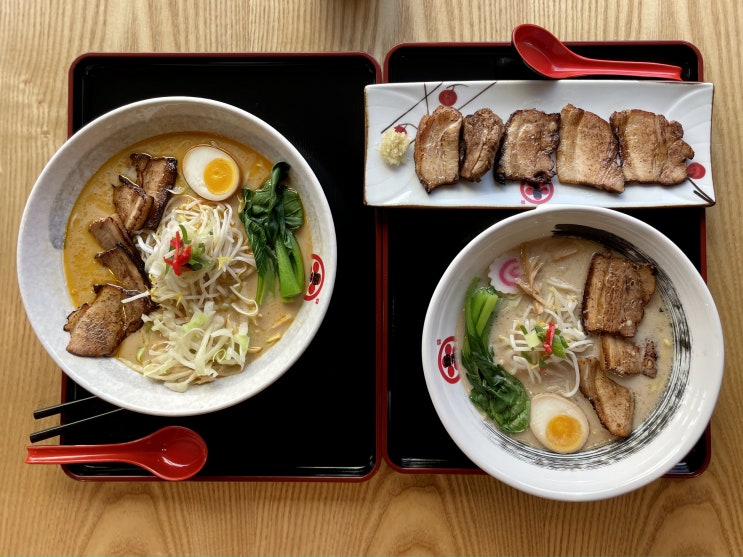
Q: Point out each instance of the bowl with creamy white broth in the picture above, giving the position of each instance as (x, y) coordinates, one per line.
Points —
(573, 352)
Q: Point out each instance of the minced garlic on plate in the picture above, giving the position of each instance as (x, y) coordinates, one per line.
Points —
(393, 146)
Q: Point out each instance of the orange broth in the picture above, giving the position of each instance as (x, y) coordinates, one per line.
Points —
(82, 270)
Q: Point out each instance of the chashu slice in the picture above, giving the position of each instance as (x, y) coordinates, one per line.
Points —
(615, 295)
(126, 266)
(436, 152)
(156, 176)
(623, 357)
(481, 136)
(587, 153)
(109, 231)
(133, 204)
(651, 148)
(97, 328)
(614, 403)
(530, 139)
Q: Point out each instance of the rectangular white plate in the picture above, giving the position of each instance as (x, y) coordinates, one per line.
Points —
(403, 104)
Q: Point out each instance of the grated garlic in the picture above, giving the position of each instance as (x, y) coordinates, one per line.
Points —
(393, 146)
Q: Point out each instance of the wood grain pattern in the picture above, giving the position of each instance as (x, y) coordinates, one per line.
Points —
(45, 512)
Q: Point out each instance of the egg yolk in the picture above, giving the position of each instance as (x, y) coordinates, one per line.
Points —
(219, 175)
(564, 433)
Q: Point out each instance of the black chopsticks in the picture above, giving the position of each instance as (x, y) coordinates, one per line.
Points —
(81, 403)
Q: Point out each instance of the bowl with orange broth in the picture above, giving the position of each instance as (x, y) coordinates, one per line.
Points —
(573, 352)
(188, 255)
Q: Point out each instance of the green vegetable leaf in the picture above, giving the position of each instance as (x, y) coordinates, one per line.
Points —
(270, 216)
(559, 344)
(288, 284)
(496, 392)
(293, 210)
(296, 257)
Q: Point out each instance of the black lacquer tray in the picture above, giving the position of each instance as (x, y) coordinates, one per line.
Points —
(321, 420)
(331, 418)
(417, 246)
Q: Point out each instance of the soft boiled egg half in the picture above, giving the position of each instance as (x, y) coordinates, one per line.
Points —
(211, 172)
(558, 423)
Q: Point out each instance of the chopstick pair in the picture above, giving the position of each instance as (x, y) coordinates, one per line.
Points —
(65, 406)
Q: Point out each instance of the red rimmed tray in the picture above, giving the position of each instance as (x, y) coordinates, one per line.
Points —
(417, 245)
(321, 420)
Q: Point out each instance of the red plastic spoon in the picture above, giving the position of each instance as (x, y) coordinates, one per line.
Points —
(172, 453)
(545, 54)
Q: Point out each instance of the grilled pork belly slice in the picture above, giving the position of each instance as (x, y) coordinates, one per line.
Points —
(97, 329)
(481, 136)
(156, 176)
(127, 266)
(530, 138)
(436, 151)
(615, 295)
(109, 231)
(588, 149)
(133, 204)
(614, 403)
(623, 357)
(651, 148)
(135, 309)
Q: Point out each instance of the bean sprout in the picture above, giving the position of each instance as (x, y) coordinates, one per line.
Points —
(563, 309)
(201, 327)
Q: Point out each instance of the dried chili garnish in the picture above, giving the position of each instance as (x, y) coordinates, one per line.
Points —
(549, 336)
(184, 255)
(181, 254)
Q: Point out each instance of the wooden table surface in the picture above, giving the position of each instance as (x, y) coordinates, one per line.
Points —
(46, 512)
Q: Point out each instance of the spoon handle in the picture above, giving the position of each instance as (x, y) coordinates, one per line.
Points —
(75, 454)
(637, 69)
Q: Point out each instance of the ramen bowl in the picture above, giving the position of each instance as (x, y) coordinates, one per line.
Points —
(40, 262)
(675, 422)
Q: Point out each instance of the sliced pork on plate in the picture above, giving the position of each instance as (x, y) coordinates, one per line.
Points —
(587, 154)
(531, 138)
(436, 152)
(652, 149)
(481, 138)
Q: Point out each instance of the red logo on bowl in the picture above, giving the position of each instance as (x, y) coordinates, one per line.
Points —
(537, 193)
(448, 360)
(317, 278)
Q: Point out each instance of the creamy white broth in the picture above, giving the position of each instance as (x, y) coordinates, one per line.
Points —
(567, 259)
(96, 200)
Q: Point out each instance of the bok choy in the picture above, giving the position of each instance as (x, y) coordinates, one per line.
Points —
(270, 216)
(496, 392)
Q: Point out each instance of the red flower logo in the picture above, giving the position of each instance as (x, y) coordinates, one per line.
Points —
(695, 171)
(317, 278)
(537, 193)
(448, 360)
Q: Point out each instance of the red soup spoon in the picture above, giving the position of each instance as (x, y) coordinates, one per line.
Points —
(172, 453)
(546, 55)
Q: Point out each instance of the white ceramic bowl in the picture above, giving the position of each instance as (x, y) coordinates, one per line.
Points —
(39, 257)
(658, 444)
